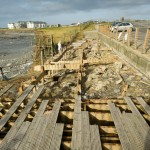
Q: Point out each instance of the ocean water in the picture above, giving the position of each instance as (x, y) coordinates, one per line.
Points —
(16, 52)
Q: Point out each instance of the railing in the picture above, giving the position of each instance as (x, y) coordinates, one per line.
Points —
(138, 40)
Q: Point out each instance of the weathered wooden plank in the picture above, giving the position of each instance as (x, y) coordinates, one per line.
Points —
(135, 111)
(85, 130)
(15, 142)
(38, 135)
(131, 131)
(5, 89)
(95, 138)
(144, 105)
(120, 127)
(14, 107)
(49, 131)
(56, 141)
(20, 119)
(33, 127)
(76, 131)
(143, 133)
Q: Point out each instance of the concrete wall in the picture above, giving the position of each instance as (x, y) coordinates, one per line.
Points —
(134, 57)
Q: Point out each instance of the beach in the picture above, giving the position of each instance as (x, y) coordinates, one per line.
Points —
(15, 53)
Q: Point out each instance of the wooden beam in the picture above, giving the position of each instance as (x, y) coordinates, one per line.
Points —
(144, 105)
(136, 111)
(5, 89)
(85, 130)
(12, 132)
(57, 138)
(14, 107)
(95, 138)
(29, 137)
(120, 127)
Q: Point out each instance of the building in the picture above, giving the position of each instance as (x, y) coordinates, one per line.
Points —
(21, 24)
(121, 19)
(11, 26)
(36, 24)
(27, 24)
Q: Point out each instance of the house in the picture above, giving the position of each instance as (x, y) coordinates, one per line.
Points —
(27, 24)
(11, 26)
(21, 24)
(36, 24)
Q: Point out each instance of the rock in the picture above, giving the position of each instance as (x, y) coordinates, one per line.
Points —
(133, 84)
(118, 66)
(146, 94)
(117, 90)
(119, 81)
(125, 68)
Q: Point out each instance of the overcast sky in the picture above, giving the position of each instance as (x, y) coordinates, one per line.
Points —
(69, 11)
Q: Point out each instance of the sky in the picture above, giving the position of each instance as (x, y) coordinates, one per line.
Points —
(71, 11)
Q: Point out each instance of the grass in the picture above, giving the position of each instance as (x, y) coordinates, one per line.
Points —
(65, 34)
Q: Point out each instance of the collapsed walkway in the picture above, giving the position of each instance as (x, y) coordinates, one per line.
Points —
(87, 99)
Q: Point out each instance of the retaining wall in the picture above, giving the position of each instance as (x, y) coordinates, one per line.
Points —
(134, 57)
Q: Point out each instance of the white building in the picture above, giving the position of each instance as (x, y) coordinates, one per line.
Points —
(36, 24)
(11, 26)
(27, 24)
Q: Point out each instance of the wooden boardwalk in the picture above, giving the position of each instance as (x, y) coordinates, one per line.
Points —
(76, 124)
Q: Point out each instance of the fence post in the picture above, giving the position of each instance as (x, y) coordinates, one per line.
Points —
(42, 59)
(116, 34)
(52, 49)
(42, 70)
(136, 38)
(129, 35)
(146, 40)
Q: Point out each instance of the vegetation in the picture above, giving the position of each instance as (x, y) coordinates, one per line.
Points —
(46, 39)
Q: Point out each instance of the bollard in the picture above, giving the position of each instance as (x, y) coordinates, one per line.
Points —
(136, 38)
(146, 40)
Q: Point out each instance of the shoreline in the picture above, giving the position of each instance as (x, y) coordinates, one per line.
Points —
(15, 53)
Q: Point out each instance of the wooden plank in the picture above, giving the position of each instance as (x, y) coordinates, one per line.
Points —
(144, 105)
(120, 127)
(20, 119)
(15, 142)
(85, 130)
(49, 131)
(142, 132)
(135, 111)
(95, 138)
(5, 89)
(14, 107)
(38, 135)
(76, 131)
(33, 127)
(56, 141)
(131, 131)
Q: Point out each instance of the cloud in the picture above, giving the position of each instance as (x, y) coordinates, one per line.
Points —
(30, 9)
